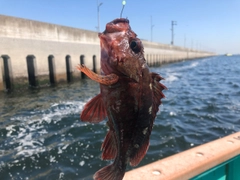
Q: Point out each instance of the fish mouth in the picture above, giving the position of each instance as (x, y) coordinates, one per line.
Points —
(119, 20)
(117, 25)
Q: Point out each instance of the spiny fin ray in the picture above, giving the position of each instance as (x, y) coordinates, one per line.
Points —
(109, 146)
(102, 79)
(94, 111)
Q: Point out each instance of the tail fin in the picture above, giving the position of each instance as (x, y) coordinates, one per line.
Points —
(110, 172)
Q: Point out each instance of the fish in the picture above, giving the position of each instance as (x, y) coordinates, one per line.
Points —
(129, 98)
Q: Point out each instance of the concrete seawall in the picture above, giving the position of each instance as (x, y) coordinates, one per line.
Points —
(37, 54)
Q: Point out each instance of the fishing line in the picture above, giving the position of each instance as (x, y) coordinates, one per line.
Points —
(123, 3)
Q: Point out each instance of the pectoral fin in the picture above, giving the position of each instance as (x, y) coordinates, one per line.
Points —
(102, 79)
(94, 111)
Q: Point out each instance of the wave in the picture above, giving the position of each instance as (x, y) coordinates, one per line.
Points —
(27, 133)
(171, 77)
(183, 67)
(175, 73)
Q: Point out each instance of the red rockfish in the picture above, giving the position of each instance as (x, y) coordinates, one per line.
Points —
(129, 97)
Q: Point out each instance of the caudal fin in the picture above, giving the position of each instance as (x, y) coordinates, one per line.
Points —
(110, 172)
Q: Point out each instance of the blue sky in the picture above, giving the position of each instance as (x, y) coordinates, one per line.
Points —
(212, 25)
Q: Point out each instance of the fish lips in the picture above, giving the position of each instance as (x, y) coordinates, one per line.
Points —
(117, 25)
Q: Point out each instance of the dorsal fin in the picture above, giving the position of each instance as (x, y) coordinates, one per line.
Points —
(157, 91)
(94, 111)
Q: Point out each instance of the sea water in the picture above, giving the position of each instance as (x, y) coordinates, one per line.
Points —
(42, 137)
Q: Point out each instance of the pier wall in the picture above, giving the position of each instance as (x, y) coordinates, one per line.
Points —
(37, 53)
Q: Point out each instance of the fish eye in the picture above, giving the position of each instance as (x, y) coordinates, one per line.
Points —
(134, 46)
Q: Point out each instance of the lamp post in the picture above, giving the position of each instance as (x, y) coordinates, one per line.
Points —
(173, 23)
(98, 9)
(185, 39)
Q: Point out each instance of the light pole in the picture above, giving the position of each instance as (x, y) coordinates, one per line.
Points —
(151, 28)
(173, 23)
(98, 9)
(185, 39)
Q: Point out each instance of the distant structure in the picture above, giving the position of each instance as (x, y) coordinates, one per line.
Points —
(40, 54)
(172, 29)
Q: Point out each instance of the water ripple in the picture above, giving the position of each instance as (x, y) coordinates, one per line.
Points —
(41, 136)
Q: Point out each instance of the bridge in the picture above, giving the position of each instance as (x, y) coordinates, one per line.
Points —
(37, 54)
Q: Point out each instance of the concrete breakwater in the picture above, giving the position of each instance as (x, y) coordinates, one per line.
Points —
(37, 54)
